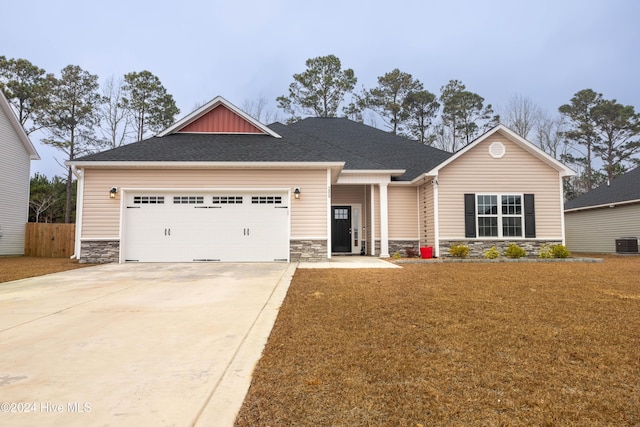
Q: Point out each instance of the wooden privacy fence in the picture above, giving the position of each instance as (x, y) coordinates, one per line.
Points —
(49, 240)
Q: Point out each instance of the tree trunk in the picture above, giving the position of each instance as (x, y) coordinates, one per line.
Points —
(589, 169)
(67, 209)
(72, 155)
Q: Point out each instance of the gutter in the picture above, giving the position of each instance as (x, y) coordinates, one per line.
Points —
(604, 205)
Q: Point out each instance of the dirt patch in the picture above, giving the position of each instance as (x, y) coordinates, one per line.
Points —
(455, 345)
(14, 268)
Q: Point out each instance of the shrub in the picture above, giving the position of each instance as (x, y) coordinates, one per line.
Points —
(554, 251)
(396, 255)
(560, 251)
(545, 252)
(515, 251)
(492, 253)
(459, 251)
(411, 253)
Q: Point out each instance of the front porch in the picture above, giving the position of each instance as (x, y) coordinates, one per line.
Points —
(374, 219)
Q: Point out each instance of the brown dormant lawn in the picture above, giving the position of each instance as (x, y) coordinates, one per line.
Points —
(21, 267)
(501, 344)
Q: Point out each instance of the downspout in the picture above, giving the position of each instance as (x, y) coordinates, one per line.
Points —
(420, 220)
(564, 243)
(436, 222)
(79, 202)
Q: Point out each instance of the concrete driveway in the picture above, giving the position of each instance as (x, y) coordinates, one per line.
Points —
(135, 344)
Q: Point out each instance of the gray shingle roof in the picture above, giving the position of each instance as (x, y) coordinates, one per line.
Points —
(200, 147)
(358, 142)
(310, 140)
(624, 188)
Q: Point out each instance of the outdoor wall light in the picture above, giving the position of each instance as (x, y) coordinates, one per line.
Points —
(296, 193)
(112, 192)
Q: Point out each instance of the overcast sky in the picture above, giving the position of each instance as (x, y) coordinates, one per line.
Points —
(546, 50)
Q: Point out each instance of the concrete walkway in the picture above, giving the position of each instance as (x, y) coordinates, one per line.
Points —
(135, 344)
(350, 262)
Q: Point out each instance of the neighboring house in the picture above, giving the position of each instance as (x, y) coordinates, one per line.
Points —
(16, 151)
(595, 220)
(220, 186)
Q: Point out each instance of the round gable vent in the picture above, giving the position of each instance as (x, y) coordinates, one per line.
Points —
(497, 150)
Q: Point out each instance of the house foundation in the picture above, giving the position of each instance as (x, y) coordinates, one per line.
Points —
(99, 251)
(478, 247)
(308, 250)
(404, 248)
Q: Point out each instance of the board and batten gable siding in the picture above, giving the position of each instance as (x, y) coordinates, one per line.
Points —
(15, 166)
(220, 120)
(101, 215)
(403, 213)
(517, 172)
(596, 230)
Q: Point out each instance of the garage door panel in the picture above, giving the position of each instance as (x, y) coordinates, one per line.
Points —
(265, 226)
(206, 227)
(146, 226)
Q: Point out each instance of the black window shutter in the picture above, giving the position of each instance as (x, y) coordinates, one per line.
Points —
(529, 216)
(470, 215)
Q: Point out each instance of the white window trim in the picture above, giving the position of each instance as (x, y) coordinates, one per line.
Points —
(500, 216)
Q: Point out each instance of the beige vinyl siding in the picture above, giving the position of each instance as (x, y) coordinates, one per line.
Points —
(101, 215)
(14, 189)
(376, 226)
(376, 207)
(348, 194)
(427, 222)
(517, 172)
(596, 230)
(403, 213)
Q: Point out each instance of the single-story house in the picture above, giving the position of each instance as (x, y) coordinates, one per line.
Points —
(606, 219)
(220, 186)
(15, 171)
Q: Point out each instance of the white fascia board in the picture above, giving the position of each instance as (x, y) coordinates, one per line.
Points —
(604, 205)
(15, 123)
(366, 176)
(392, 172)
(425, 176)
(204, 165)
(215, 102)
(515, 138)
(203, 190)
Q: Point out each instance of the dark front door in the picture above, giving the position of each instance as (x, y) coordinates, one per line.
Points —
(341, 229)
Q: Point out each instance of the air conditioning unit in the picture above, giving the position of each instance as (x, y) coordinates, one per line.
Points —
(627, 245)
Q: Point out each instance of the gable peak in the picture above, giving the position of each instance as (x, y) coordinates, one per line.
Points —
(218, 116)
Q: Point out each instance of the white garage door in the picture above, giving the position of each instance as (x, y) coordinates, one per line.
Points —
(206, 227)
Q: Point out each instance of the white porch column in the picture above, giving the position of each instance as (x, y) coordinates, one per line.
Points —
(384, 222)
(329, 219)
(372, 230)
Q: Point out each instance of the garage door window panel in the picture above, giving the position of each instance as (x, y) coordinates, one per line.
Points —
(227, 200)
(148, 200)
(188, 200)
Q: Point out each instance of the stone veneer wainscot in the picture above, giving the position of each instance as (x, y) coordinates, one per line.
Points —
(478, 247)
